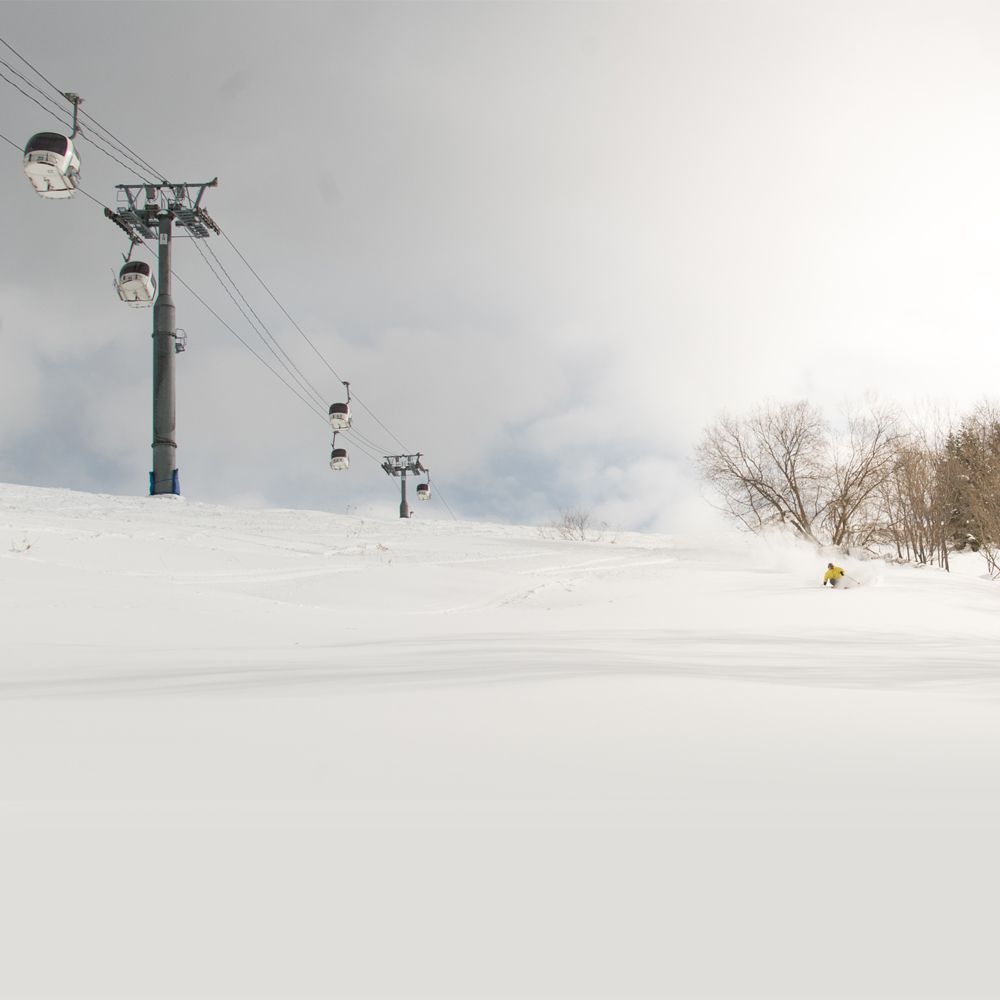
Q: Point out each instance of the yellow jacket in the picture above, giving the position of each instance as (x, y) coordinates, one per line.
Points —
(833, 574)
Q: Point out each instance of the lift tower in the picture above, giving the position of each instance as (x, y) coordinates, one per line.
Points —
(148, 212)
(400, 465)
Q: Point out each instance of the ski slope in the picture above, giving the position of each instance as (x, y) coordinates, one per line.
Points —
(276, 753)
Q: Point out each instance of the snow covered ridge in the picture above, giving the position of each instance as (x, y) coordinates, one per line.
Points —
(88, 579)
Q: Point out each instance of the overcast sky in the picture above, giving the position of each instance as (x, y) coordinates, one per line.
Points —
(546, 243)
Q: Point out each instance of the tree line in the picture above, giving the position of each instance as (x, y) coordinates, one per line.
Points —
(875, 482)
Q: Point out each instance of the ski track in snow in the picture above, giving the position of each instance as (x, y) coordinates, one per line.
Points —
(905, 663)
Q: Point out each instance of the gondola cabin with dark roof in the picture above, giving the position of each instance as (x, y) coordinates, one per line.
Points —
(340, 416)
(340, 413)
(339, 460)
(136, 285)
(52, 165)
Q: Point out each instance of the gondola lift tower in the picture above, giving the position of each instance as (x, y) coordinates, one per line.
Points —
(149, 211)
(401, 466)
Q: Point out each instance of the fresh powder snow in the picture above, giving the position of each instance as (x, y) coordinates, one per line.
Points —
(280, 753)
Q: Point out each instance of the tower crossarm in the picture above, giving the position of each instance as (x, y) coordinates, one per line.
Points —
(401, 465)
(142, 204)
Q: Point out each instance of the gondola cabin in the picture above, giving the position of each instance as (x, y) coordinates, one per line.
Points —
(136, 284)
(339, 460)
(423, 491)
(340, 416)
(52, 165)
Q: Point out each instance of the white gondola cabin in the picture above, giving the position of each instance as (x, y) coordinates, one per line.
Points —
(340, 413)
(423, 491)
(136, 285)
(340, 416)
(52, 165)
(339, 460)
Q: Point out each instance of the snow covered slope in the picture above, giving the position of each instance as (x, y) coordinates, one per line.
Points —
(293, 754)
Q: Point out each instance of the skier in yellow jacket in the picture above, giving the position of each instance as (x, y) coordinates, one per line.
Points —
(833, 575)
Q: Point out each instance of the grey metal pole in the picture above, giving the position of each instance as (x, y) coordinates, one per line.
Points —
(163, 478)
(404, 507)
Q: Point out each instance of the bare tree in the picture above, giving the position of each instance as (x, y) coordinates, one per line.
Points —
(859, 464)
(769, 469)
(575, 525)
(913, 501)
